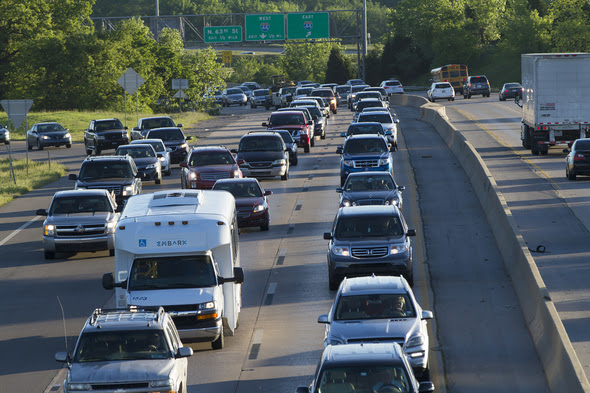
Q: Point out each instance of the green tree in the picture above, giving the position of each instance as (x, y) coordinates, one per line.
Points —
(306, 60)
(339, 68)
(570, 25)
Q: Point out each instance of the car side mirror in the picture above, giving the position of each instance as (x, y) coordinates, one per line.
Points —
(41, 212)
(401, 188)
(411, 232)
(339, 190)
(426, 387)
(189, 138)
(72, 176)
(159, 155)
(136, 129)
(179, 125)
(267, 192)
(327, 236)
(183, 164)
(119, 208)
(342, 134)
(62, 357)
(265, 124)
(339, 150)
(566, 150)
(108, 282)
(125, 128)
(323, 318)
(396, 121)
(139, 175)
(184, 352)
(302, 389)
(235, 151)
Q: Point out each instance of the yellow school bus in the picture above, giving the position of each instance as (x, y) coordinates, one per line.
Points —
(455, 74)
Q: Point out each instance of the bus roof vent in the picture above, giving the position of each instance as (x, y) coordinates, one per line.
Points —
(176, 198)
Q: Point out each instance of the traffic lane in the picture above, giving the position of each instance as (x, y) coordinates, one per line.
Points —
(265, 257)
(70, 158)
(481, 332)
(554, 217)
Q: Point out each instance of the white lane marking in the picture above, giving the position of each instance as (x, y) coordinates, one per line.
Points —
(15, 232)
(257, 339)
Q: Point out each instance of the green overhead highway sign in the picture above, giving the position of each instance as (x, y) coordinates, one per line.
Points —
(309, 25)
(265, 27)
(222, 34)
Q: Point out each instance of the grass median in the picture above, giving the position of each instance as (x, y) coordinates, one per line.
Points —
(40, 173)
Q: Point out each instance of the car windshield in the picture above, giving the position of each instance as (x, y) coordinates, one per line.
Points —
(235, 91)
(100, 346)
(93, 170)
(288, 90)
(376, 145)
(240, 189)
(136, 152)
(313, 110)
(368, 227)
(260, 93)
(172, 134)
(195, 271)
(211, 158)
(366, 379)
(50, 128)
(260, 144)
(285, 120)
(369, 183)
(303, 91)
(368, 104)
(323, 93)
(160, 122)
(287, 138)
(342, 89)
(364, 129)
(358, 88)
(158, 146)
(108, 125)
(80, 204)
(377, 117)
(374, 306)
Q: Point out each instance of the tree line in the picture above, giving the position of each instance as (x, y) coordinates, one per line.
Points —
(51, 52)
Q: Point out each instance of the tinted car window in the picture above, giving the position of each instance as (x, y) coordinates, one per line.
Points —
(478, 79)
(378, 117)
(80, 204)
(370, 183)
(195, 271)
(442, 86)
(156, 123)
(167, 135)
(364, 129)
(374, 226)
(103, 170)
(108, 125)
(381, 304)
(210, 158)
(240, 189)
(50, 128)
(136, 152)
(377, 145)
(283, 120)
(582, 145)
(260, 144)
(108, 346)
(235, 91)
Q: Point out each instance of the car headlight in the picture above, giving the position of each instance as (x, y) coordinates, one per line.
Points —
(44, 137)
(348, 162)
(124, 135)
(78, 386)
(341, 251)
(399, 249)
(162, 159)
(49, 230)
(345, 203)
(184, 146)
(128, 190)
(101, 137)
(193, 176)
(336, 340)
(393, 201)
(151, 166)
(281, 161)
(162, 383)
(68, 135)
(415, 341)
(237, 173)
(384, 161)
(111, 226)
(207, 306)
(259, 208)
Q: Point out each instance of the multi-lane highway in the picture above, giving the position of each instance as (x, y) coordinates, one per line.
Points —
(479, 338)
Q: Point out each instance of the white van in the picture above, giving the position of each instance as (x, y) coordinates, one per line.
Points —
(179, 249)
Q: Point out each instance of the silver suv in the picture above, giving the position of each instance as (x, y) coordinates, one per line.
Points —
(129, 350)
(379, 309)
(80, 220)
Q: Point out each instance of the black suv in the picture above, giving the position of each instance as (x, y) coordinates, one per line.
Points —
(117, 174)
(174, 139)
(104, 134)
(365, 367)
(476, 85)
(263, 154)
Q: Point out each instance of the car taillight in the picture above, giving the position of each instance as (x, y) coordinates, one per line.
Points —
(578, 157)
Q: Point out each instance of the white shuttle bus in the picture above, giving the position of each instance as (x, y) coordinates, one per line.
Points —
(179, 249)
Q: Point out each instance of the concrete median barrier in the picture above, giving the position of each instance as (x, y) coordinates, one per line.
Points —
(562, 368)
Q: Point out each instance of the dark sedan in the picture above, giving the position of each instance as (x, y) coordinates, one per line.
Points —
(577, 162)
(173, 138)
(370, 188)
(48, 134)
(251, 201)
(510, 90)
(207, 164)
(146, 160)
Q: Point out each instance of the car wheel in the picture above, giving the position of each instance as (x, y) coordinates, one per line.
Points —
(465, 96)
(68, 145)
(88, 151)
(218, 344)
(295, 160)
(306, 149)
(432, 99)
(468, 95)
(335, 111)
(342, 180)
(97, 150)
(39, 145)
(286, 175)
(332, 280)
(323, 136)
(312, 141)
(266, 226)
(452, 98)
(29, 147)
(112, 252)
(570, 174)
(169, 171)
(49, 255)
(158, 180)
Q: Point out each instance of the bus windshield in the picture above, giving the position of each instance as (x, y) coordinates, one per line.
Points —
(192, 271)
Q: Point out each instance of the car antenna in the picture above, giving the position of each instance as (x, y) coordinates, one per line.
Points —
(63, 317)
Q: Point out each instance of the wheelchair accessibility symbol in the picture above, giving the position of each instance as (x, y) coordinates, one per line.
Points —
(142, 243)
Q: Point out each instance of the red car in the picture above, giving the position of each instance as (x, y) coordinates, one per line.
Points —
(251, 201)
(294, 121)
(203, 166)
